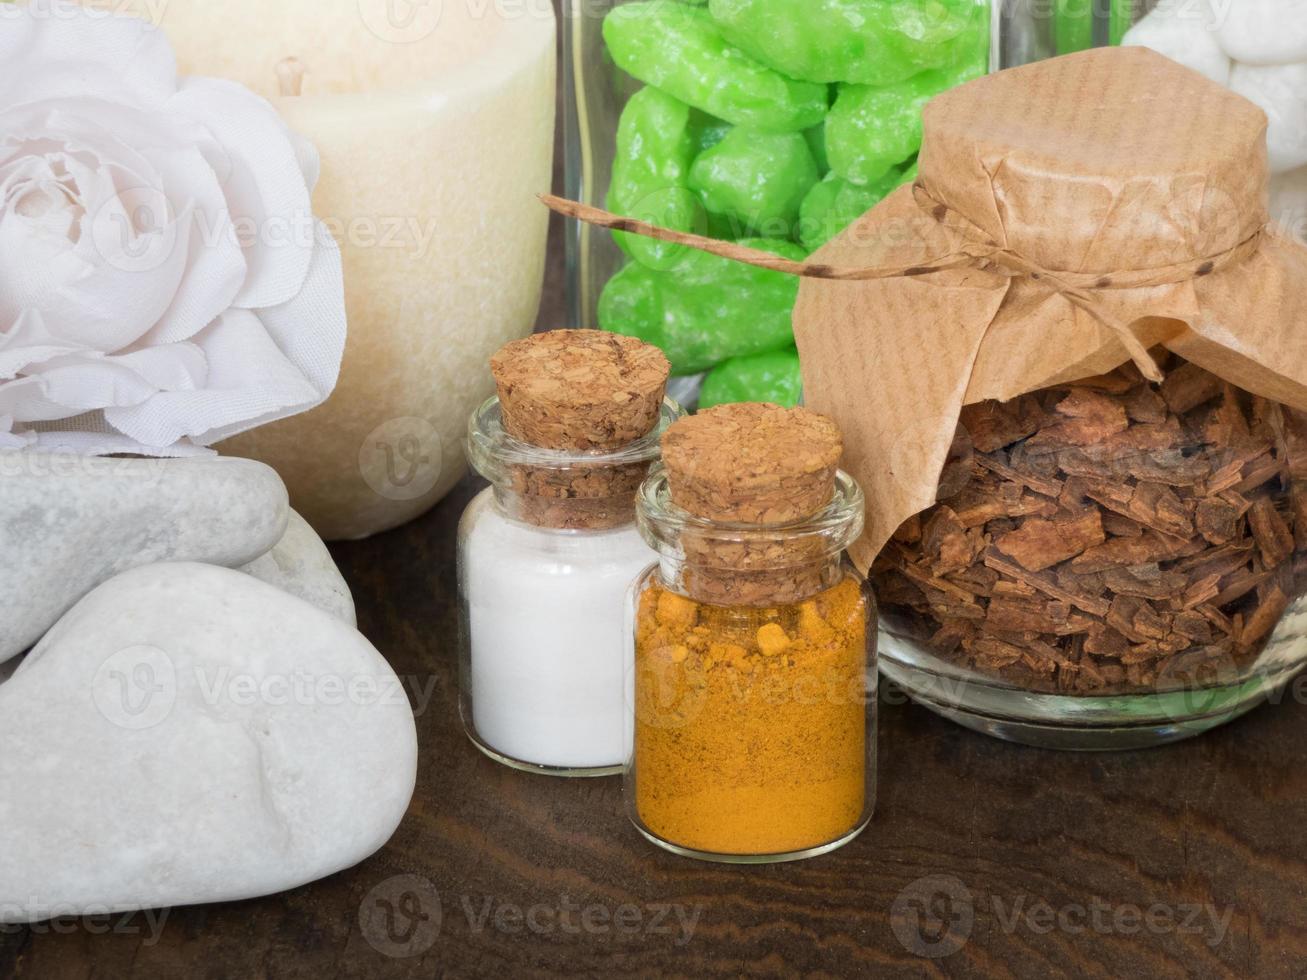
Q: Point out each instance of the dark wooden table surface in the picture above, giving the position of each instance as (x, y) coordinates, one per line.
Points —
(1183, 861)
(984, 859)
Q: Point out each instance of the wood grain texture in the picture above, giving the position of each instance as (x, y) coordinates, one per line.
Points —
(1211, 824)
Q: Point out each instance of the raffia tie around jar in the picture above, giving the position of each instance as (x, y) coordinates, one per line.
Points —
(1069, 217)
(579, 391)
(756, 467)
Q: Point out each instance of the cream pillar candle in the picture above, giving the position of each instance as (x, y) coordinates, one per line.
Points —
(435, 121)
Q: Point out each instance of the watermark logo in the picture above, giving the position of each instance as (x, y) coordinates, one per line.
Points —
(401, 917)
(1040, 918)
(933, 916)
(67, 465)
(401, 21)
(568, 917)
(136, 688)
(1202, 685)
(42, 919)
(402, 459)
(151, 10)
(137, 231)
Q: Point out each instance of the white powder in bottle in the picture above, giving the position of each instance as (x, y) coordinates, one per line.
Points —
(548, 554)
(549, 649)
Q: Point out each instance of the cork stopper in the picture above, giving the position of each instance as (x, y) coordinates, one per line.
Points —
(760, 465)
(590, 394)
(752, 463)
(580, 389)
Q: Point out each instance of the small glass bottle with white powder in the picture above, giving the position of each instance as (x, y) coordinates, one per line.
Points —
(548, 551)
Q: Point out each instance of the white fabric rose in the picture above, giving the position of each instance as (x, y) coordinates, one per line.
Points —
(163, 282)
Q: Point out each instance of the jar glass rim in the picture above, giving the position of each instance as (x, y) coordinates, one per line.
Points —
(493, 453)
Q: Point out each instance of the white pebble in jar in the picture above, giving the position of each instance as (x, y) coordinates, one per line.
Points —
(1184, 33)
(1264, 32)
(1289, 202)
(1281, 92)
(548, 659)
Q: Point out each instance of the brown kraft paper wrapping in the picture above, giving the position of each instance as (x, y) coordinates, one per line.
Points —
(1132, 179)
(1069, 216)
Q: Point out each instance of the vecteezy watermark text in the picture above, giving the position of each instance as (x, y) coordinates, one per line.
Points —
(138, 687)
(64, 920)
(676, 922)
(404, 917)
(935, 917)
(1102, 918)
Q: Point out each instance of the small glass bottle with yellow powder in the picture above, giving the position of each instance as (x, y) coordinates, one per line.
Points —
(754, 688)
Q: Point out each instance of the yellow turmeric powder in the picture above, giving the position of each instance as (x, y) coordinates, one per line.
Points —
(751, 727)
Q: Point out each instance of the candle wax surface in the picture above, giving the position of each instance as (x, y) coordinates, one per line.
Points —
(435, 127)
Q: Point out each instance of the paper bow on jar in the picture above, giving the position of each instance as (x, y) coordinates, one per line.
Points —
(163, 281)
(1069, 216)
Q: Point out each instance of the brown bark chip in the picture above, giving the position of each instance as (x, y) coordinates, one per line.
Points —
(1114, 536)
(1040, 544)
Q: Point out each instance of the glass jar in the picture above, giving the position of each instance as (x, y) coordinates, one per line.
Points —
(754, 684)
(726, 326)
(542, 586)
(1110, 564)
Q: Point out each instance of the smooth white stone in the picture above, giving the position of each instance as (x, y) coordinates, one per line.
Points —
(1264, 32)
(1184, 32)
(189, 734)
(1281, 92)
(68, 523)
(301, 565)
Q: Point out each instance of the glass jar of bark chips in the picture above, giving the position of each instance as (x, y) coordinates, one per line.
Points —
(754, 682)
(1071, 382)
(1122, 551)
(547, 553)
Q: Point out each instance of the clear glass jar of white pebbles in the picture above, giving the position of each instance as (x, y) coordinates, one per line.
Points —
(547, 552)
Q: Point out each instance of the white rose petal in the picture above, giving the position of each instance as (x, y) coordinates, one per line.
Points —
(266, 183)
(112, 54)
(163, 282)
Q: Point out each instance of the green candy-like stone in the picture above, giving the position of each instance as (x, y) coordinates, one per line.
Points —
(757, 179)
(632, 304)
(707, 310)
(707, 131)
(872, 129)
(870, 42)
(679, 49)
(817, 144)
(651, 169)
(773, 377)
(834, 204)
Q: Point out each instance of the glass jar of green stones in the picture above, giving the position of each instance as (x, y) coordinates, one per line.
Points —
(776, 123)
